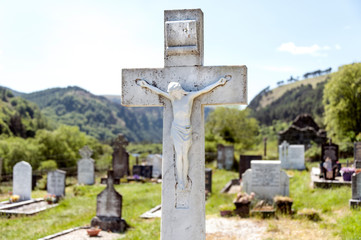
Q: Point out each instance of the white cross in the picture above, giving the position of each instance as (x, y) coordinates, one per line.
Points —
(183, 208)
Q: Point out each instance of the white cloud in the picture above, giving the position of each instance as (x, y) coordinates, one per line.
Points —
(338, 47)
(314, 50)
(285, 69)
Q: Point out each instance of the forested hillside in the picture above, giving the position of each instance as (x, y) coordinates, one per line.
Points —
(287, 103)
(98, 116)
(19, 117)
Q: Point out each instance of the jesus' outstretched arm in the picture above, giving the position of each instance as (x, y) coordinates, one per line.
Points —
(220, 82)
(144, 84)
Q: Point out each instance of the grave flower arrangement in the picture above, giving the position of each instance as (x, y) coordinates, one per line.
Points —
(50, 198)
(226, 210)
(14, 198)
(347, 173)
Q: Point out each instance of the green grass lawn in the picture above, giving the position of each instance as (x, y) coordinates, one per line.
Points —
(79, 206)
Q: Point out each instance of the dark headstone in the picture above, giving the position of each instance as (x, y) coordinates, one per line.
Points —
(109, 209)
(145, 171)
(245, 162)
(120, 157)
(208, 179)
(329, 151)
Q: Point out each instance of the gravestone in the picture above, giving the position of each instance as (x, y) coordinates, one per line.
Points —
(183, 201)
(357, 154)
(120, 157)
(355, 200)
(266, 180)
(225, 157)
(329, 151)
(86, 167)
(245, 162)
(292, 156)
(155, 160)
(143, 171)
(109, 209)
(208, 179)
(22, 177)
(56, 183)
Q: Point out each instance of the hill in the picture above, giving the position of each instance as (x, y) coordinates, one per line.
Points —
(288, 101)
(19, 117)
(98, 116)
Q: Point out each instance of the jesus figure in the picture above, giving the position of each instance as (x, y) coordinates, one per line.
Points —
(181, 130)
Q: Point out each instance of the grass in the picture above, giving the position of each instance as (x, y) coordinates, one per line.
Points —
(79, 206)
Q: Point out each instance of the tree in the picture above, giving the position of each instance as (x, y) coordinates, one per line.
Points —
(232, 126)
(342, 101)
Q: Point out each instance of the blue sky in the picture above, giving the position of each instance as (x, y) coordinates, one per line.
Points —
(46, 44)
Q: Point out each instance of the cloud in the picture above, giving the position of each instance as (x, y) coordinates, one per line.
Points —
(314, 50)
(337, 47)
(286, 69)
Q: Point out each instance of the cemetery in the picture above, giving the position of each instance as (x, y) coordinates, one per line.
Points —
(166, 163)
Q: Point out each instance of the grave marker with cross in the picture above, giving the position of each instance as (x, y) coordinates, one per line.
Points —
(183, 210)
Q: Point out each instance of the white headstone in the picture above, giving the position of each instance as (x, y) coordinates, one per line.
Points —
(266, 180)
(292, 156)
(156, 161)
(22, 177)
(56, 182)
(183, 201)
(225, 157)
(86, 167)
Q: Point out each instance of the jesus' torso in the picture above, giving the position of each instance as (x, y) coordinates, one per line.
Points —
(182, 110)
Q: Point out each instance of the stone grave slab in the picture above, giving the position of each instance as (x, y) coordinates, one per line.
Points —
(22, 177)
(109, 209)
(225, 157)
(317, 182)
(355, 201)
(266, 180)
(329, 151)
(155, 160)
(245, 162)
(28, 207)
(208, 179)
(56, 183)
(80, 233)
(155, 212)
(143, 171)
(85, 167)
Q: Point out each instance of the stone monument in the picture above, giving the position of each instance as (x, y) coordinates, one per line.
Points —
(266, 180)
(357, 154)
(329, 159)
(22, 176)
(190, 86)
(208, 179)
(355, 201)
(109, 209)
(56, 183)
(155, 160)
(245, 162)
(292, 156)
(86, 167)
(145, 171)
(120, 157)
(225, 157)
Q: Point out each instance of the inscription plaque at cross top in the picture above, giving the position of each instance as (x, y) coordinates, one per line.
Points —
(183, 209)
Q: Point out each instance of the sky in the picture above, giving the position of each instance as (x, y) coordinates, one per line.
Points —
(47, 44)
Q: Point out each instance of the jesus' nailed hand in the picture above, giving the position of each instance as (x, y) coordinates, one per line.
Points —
(181, 130)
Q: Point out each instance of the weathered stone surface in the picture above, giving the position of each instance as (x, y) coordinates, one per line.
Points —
(109, 209)
(225, 157)
(22, 177)
(56, 183)
(357, 154)
(329, 151)
(292, 156)
(86, 167)
(356, 186)
(143, 171)
(120, 157)
(302, 131)
(266, 180)
(245, 162)
(183, 213)
(155, 160)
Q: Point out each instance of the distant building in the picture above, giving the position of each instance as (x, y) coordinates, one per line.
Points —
(302, 131)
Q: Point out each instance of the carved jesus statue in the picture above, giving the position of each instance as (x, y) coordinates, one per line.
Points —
(181, 130)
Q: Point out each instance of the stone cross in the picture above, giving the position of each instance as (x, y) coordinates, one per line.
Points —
(183, 201)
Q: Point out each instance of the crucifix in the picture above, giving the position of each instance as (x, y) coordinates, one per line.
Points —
(183, 87)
